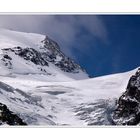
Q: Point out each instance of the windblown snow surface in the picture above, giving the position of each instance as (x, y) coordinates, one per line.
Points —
(59, 98)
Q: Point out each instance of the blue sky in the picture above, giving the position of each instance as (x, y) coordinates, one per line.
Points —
(120, 52)
(102, 44)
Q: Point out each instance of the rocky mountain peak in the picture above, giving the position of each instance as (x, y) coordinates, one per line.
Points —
(37, 54)
(128, 106)
(49, 43)
(52, 52)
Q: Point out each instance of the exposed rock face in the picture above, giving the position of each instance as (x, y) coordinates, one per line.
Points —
(52, 53)
(29, 54)
(128, 107)
(7, 61)
(8, 117)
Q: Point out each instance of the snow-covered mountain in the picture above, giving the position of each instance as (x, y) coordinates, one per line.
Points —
(38, 55)
(42, 86)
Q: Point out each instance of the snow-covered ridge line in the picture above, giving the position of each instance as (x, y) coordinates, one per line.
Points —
(10, 38)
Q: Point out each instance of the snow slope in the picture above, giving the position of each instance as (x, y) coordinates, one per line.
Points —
(10, 39)
(44, 87)
(76, 103)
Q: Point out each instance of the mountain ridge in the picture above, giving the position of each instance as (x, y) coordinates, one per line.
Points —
(40, 50)
(42, 86)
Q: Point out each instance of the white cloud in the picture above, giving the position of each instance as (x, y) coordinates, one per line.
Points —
(64, 29)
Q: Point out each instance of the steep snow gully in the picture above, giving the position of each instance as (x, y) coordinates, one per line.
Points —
(41, 86)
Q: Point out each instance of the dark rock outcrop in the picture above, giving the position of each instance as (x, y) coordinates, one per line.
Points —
(128, 106)
(7, 61)
(29, 54)
(8, 117)
(52, 53)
